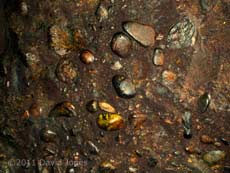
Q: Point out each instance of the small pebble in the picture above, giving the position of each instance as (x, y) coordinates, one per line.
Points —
(116, 66)
(106, 167)
(142, 33)
(106, 107)
(102, 13)
(203, 102)
(168, 77)
(124, 86)
(187, 124)
(87, 57)
(66, 109)
(92, 106)
(137, 119)
(121, 45)
(158, 58)
(206, 139)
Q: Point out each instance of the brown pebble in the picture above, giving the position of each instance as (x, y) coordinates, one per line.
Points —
(87, 57)
(158, 58)
(206, 139)
(121, 44)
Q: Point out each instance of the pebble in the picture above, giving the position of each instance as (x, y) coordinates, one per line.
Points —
(48, 135)
(205, 4)
(116, 66)
(137, 119)
(102, 13)
(214, 156)
(24, 8)
(110, 122)
(121, 45)
(124, 86)
(168, 77)
(106, 107)
(158, 58)
(106, 167)
(203, 102)
(182, 34)
(206, 139)
(67, 71)
(142, 33)
(87, 57)
(187, 124)
(92, 106)
(224, 141)
(66, 109)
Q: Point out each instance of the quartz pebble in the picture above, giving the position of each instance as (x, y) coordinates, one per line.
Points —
(121, 45)
(142, 33)
(106, 107)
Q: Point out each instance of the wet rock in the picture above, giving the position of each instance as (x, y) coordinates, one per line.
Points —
(110, 122)
(213, 157)
(137, 119)
(187, 124)
(50, 149)
(182, 35)
(48, 135)
(92, 106)
(152, 161)
(121, 45)
(144, 34)
(87, 57)
(106, 167)
(124, 86)
(168, 77)
(158, 57)
(67, 71)
(66, 109)
(93, 148)
(203, 102)
(106, 107)
(102, 13)
(206, 139)
(24, 8)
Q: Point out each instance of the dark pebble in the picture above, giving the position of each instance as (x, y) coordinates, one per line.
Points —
(92, 106)
(66, 109)
(203, 102)
(124, 86)
(48, 135)
(224, 141)
(187, 124)
(121, 45)
(152, 162)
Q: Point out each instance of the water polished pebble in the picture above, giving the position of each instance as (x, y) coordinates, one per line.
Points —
(48, 135)
(106, 107)
(66, 109)
(182, 34)
(66, 71)
(158, 57)
(110, 122)
(144, 34)
(121, 45)
(187, 124)
(213, 157)
(92, 106)
(203, 102)
(87, 57)
(124, 86)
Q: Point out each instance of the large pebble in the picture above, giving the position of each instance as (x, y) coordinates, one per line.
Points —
(144, 34)
(121, 44)
(124, 86)
(182, 34)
